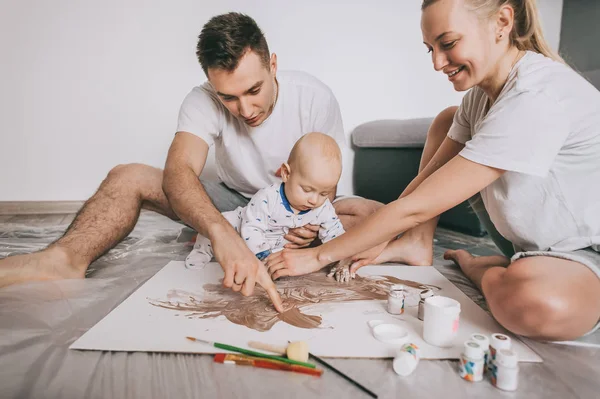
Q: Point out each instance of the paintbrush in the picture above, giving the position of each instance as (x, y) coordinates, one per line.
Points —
(324, 363)
(243, 360)
(250, 352)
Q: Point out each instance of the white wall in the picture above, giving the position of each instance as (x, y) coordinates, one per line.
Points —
(87, 85)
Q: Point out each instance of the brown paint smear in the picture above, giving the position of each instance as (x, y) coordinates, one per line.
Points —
(257, 312)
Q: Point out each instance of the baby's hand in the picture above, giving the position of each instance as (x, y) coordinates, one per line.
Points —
(341, 271)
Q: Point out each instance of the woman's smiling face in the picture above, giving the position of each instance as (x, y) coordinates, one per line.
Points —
(462, 45)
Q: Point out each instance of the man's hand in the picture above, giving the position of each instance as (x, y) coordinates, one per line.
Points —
(242, 269)
(301, 237)
(292, 262)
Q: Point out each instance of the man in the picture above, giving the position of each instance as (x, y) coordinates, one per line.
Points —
(253, 117)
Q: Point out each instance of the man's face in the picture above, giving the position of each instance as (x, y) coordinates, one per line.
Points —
(249, 92)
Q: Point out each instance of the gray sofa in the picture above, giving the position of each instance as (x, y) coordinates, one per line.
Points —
(387, 155)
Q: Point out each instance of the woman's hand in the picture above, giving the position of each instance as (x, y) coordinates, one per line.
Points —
(373, 256)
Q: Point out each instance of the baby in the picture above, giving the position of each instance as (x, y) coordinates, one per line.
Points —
(310, 177)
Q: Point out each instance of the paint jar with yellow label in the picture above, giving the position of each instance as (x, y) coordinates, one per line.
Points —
(395, 304)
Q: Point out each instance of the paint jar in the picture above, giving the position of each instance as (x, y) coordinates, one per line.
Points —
(471, 362)
(407, 359)
(484, 342)
(498, 341)
(440, 320)
(506, 370)
(424, 295)
(395, 304)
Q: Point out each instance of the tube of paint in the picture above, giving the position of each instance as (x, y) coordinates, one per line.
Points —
(395, 304)
(407, 359)
(484, 342)
(471, 362)
(424, 295)
(506, 370)
(498, 341)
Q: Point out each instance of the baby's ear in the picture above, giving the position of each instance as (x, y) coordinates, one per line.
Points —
(285, 172)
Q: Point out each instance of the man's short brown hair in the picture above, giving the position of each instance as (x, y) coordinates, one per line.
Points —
(226, 38)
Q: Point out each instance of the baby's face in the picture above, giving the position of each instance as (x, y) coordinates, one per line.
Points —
(309, 186)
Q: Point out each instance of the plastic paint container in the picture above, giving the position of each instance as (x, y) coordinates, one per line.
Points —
(407, 360)
(424, 295)
(497, 342)
(440, 320)
(395, 304)
(506, 370)
(484, 342)
(471, 362)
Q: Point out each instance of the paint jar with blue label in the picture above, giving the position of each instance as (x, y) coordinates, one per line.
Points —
(471, 362)
(497, 342)
(484, 342)
(396, 296)
(407, 359)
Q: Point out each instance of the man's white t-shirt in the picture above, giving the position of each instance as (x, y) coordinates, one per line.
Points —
(248, 157)
(544, 130)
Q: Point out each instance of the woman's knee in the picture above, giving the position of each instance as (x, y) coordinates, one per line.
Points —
(441, 124)
(529, 305)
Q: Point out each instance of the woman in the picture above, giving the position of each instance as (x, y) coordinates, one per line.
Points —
(527, 137)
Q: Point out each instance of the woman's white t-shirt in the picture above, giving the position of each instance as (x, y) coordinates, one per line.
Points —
(544, 130)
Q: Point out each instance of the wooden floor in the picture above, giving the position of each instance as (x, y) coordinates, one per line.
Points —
(35, 334)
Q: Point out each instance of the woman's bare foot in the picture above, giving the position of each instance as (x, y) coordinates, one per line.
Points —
(475, 266)
(409, 250)
(53, 263)
(460, 257)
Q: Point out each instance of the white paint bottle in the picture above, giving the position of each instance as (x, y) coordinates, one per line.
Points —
(471, 362)
(396, 295)
(407, 359)
(424, 295)
(506, 370)
(498, 341)
(484, 342)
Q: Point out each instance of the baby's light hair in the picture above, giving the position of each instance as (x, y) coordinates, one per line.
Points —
(313, 145)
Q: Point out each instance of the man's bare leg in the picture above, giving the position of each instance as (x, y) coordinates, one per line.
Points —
(103, 221)
(352, 210)
(538, 297)
(415, 246)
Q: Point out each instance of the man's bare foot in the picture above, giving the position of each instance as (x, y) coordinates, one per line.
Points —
(408, 250)
(50, 264)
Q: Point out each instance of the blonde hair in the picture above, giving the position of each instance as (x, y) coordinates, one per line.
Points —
(527, 30)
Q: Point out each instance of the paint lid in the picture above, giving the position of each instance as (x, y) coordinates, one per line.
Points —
(405, 363)
(373, 323)
(426, 294)
(396, 287)
(473, 350)
(500, 341)
(506, 358)
(390, 334)
(482, 340)
(444, 304)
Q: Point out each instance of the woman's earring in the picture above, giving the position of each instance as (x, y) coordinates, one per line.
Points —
(500, 37)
